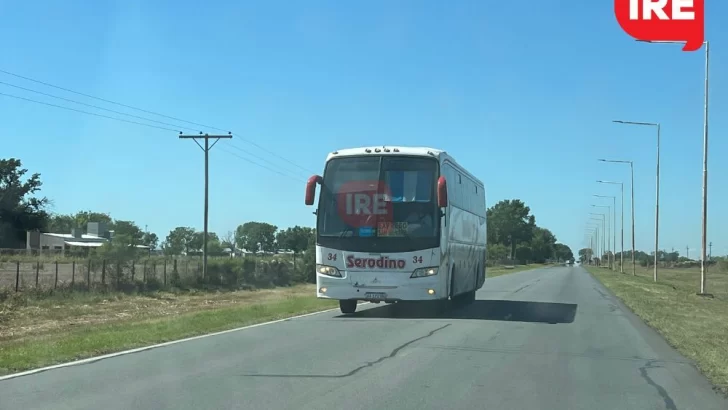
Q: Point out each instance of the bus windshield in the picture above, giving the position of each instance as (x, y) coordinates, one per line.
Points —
(379, 203)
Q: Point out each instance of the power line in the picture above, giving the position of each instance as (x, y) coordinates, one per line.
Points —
(150, 112)
(262, 166)
(261, 158)
(94, 106)
(102, 99)
(86, 112)
(146, 125)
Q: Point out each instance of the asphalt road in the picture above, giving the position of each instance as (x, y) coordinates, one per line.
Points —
(544, 339)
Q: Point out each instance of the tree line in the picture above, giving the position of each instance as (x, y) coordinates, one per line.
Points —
(512, 230)
(644, 259)
(514, 235)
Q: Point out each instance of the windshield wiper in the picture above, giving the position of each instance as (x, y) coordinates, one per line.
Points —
(345, 231)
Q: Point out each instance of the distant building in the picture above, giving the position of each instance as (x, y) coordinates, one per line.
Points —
(97, 234)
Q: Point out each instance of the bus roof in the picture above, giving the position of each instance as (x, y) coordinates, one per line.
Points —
(400, 150)
(382, 150)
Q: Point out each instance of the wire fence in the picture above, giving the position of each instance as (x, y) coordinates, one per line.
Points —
(151, 273)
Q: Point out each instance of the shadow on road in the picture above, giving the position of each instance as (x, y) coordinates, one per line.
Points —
(502, 310)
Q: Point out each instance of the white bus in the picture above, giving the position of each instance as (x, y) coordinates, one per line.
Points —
(398, 224)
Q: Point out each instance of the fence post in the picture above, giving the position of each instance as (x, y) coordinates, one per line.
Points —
(37, 273)
(103, 272)
(55, 283)
(88, 276)
(165, 272)
(133, 270)
(118, 274)
(73, 273)
(17, 276)
(144, 271)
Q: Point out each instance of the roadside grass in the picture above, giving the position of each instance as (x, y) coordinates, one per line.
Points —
(696, 326)
(40, 332)
(502, 270)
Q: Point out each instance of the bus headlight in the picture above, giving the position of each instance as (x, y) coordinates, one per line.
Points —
(424, 272)
(328, 270)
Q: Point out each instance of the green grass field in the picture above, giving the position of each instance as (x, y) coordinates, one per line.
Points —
(80, 325)
(697, 326)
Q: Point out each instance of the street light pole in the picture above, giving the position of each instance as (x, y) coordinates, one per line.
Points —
(614, 224)
(631, 168)
(657, 190)
(704, 238)
(592, 243)
(595, 237)
(634, 265)
(602, 220)
(593, 230)
(610, 247)
(621, 254)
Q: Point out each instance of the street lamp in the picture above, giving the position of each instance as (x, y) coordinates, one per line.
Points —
(614, 223)
(602, 231)
(657, 189)
(592, 243)
(621, 219)
(631, 167)
(610, 247)
(589, 239)
(704, 238)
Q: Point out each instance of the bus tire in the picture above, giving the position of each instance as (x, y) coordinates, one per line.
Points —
(347, 306)
(468, 298)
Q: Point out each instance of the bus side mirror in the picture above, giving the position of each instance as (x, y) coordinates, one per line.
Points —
(311, 189)
(442, 192)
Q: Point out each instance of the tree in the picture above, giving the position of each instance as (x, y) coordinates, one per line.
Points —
(296, 239)
(58, 223)
(563, 252)
(542, 244)
(510, 223)
(82, 219)
(256, 236)
(213, 242)
(150, 239)
(178, 240)
(497, 252)
(20, 210)
(585, 255)
(228, 241)
(127, 232)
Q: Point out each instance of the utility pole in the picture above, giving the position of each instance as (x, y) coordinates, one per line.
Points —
(710, 255)
(687, 252)
(206, 149)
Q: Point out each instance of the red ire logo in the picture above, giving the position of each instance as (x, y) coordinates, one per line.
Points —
(663, 20)
(364, 203)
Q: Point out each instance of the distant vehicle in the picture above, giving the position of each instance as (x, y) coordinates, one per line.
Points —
(398, 224)
(570, 262)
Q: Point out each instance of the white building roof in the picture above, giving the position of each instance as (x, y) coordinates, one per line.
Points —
(84, 244)
(69, 236)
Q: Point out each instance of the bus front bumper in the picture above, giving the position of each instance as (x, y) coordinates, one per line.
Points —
(415, 289)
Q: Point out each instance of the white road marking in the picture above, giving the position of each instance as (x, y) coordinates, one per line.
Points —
(173, 342)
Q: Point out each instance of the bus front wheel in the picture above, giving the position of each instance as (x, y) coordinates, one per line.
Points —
(347, 306)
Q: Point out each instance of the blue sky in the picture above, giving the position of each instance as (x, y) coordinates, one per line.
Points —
(521, 93)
